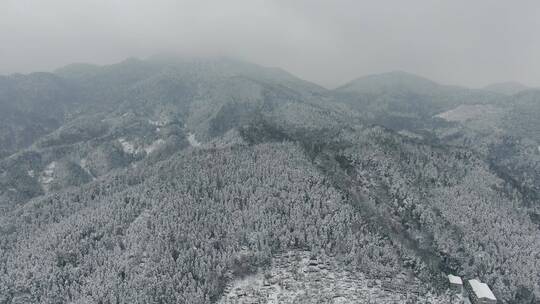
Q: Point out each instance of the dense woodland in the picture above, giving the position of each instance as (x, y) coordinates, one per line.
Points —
(175, 232)
(162, 182)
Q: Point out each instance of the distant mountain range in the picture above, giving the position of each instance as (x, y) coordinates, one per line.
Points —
(507, 88)
(166, 180)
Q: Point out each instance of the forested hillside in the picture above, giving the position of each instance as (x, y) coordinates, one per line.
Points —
(167, 180)
(120, 114)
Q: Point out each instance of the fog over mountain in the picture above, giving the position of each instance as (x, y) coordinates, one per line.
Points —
(473, 43)
(269, 152)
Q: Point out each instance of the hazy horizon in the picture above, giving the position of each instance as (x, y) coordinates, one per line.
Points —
(328, 43)
(199, 158)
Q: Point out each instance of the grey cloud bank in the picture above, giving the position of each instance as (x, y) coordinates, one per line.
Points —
(461, 42)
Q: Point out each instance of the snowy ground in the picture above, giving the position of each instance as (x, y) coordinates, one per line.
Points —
(467, 112)
(127, 146)
(295, 278)
(153, 146)
(84, 166)
(47, 176)
(193, 141)
(130, 147)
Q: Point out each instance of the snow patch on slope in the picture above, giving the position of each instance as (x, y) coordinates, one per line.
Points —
(192, 140)
(130, 148)
(127, 146)
(153, 146)
(47, 176)
(157, 123)
(84, 166)
(467, 112)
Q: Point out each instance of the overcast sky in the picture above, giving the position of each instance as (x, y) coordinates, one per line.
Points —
(467, 42)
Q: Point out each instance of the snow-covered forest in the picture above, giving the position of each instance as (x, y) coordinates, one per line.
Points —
(169, 181)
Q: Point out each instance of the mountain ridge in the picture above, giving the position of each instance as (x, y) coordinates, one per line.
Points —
(191, 176)
(507, 88)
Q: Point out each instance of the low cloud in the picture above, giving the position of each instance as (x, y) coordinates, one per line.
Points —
(329, 42)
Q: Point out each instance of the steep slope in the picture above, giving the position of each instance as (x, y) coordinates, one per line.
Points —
(174, 179)
(522, 118)
(142, 108)
(507, 135)
(447, 205)
(30, 107)
(179, 230)
(181, 225)
(500, 126)
(402, 101)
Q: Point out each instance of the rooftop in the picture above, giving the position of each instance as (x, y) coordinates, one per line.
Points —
(481, 290)
(454, 279)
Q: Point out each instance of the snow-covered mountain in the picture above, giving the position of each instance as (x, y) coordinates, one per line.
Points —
(203, 180)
